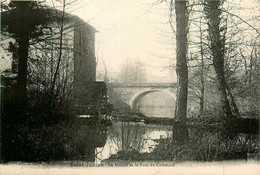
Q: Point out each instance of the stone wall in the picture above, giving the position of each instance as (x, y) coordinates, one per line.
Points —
(84, 62)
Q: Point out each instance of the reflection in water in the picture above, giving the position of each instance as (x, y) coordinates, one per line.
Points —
(128, 136)
(90, 136)
(156, 104)
(203, 144)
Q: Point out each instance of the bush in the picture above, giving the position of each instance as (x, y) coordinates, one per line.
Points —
(206, 146)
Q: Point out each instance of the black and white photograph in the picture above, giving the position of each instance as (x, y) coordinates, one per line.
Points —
(153, 87)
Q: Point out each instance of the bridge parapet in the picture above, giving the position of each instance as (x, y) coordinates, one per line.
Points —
(143, 85)
(127, 95)
(141, 96)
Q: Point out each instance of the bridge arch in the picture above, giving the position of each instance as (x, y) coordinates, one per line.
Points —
(146, 91)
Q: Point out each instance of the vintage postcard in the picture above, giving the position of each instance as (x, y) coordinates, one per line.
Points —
(129, 87)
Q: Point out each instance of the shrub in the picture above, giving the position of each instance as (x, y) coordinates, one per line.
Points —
(206, 146)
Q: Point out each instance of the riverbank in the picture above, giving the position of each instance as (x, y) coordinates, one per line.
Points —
(240, 125)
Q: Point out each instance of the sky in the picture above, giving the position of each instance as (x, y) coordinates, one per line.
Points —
(130, 30)
(136, 30)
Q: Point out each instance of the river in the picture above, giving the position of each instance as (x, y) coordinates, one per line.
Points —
(130, 135)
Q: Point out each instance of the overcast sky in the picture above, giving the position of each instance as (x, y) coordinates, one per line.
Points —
(130, 29)
(136, 30)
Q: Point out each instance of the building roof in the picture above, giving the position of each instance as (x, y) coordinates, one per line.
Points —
(55, 15)
(68, 17)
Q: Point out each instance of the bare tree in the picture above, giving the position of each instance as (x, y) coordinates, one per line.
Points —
(217, 45)
(61, 44)
(181, 67)
(132, 72)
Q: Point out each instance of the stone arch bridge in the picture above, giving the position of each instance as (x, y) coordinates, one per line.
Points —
(150, 99)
